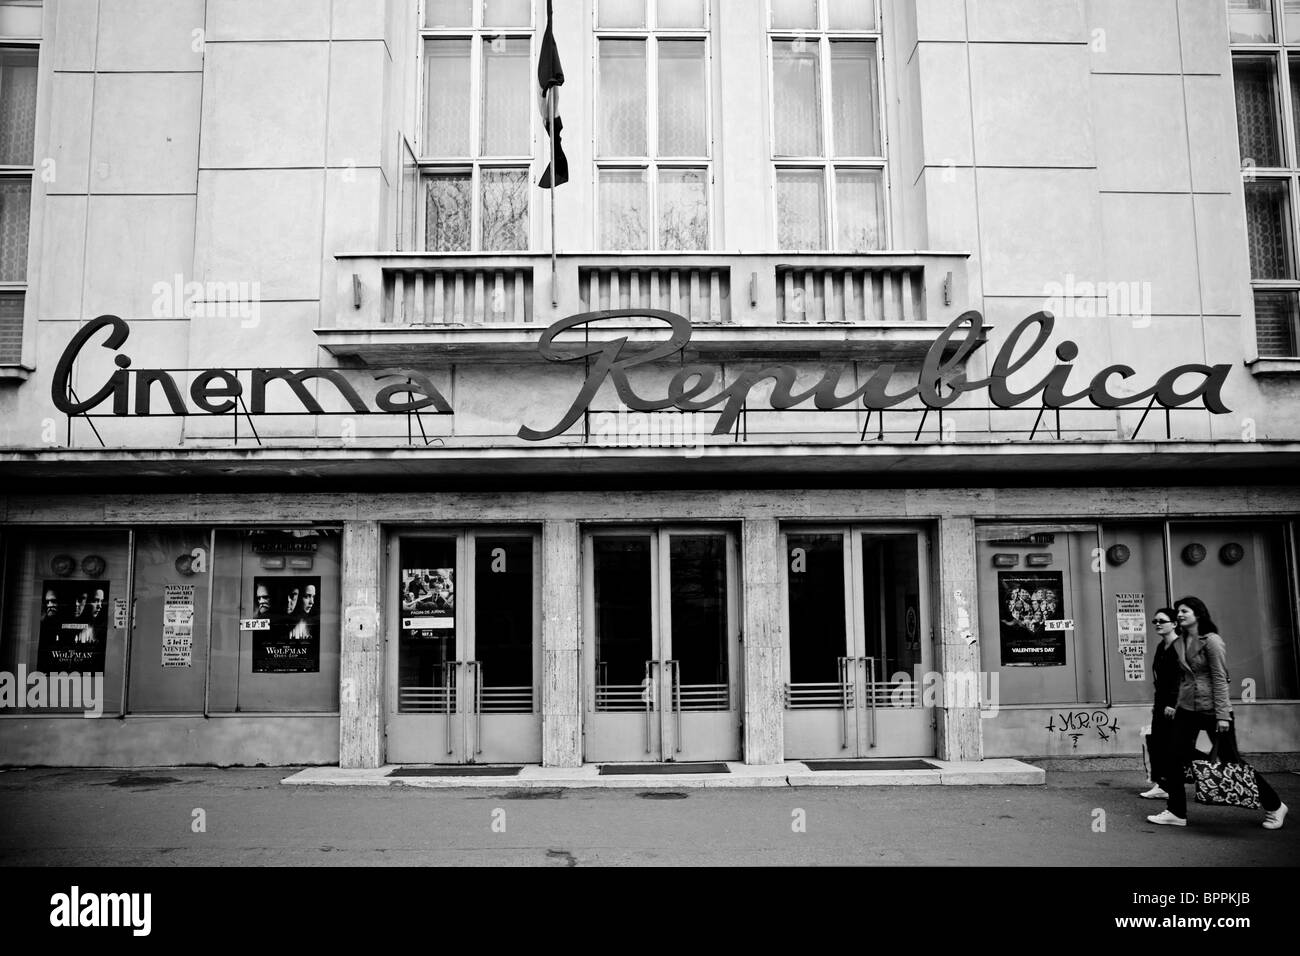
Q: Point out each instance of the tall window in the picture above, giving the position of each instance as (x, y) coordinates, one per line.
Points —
(654, 142)
(17, 166)
(828, 141)
(1266, 72)
(476, 145)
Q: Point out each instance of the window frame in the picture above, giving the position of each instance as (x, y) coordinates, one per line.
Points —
(652, 163)
(1283, 53)
(828, 163)
(477, 34)
(23, 173)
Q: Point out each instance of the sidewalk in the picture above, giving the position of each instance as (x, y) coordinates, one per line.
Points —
(790, 774)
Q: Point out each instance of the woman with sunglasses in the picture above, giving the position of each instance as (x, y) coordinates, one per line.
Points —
(1168, 673)
(1203, 704)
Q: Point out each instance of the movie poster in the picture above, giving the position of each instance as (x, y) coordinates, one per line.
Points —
(285, 625)
(74, 626)
(1031, 615)
(428, 603)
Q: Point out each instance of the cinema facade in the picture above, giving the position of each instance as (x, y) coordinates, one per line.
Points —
(897, 363)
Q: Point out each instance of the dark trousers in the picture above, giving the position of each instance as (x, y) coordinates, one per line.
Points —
(1161, 750)
(1187, 726)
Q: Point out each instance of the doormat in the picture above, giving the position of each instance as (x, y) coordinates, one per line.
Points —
(474, 770)
(661, 768)
(869, 765)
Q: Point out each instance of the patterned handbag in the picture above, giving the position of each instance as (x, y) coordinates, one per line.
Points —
(1229, 782)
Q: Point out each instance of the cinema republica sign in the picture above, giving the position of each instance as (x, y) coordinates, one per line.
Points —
(693, 388)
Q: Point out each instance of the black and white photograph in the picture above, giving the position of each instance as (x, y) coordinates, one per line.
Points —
(685, 434)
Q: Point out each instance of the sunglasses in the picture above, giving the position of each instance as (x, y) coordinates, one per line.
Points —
(1158, 621)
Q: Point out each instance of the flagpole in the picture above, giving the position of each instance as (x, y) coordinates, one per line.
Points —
(550, 99)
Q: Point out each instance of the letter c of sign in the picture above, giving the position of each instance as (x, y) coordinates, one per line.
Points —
(59, 388)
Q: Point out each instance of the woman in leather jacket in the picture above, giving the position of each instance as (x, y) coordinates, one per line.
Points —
(1203, 704)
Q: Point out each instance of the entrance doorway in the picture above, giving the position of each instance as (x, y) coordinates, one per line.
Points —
(661, 646)
(857, 643)
(464, 647)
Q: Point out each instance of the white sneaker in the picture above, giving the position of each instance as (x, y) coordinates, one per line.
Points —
(1155, 793)
(1165, 818)
(1273, 818)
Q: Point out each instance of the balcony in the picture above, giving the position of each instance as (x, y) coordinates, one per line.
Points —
(403, 308)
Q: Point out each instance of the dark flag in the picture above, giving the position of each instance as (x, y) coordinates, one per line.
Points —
(550, 77)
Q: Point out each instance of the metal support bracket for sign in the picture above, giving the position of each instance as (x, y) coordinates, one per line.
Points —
(73, 395)
(1142, 420)
(880, 432)
(1034, 430)
(235, 419)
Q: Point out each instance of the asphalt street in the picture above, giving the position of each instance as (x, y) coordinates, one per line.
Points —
(202, 817)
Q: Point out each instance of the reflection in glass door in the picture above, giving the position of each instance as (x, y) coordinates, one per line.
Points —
(857, 643)
(466, 623)
(662, 645)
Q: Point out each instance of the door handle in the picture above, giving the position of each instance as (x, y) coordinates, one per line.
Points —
(651, 672)
(871, 693)
(677, 700)
(478, 703)
(844, 701)
(446, 701)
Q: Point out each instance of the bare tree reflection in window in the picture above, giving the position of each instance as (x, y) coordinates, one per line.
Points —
(683, 209)
(624, 209)
(448, 212)
(505, 209)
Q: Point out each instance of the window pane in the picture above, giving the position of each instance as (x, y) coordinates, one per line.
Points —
(1248, 598)
(448, 208)
(1268, 225)
(1257, 112)
(447, 98)
(622, 98)
(797, 75)
(17, 107)
(1250, 21)
(794, 14)
(683, 99)
(622, 13)
(1277, 323)
(169, 633)
(818, 632)
(50, 619)
(1291, 21)
(860, 202)
(427, 640)
(624, 209)
(447, 13)
(852, 14)
(1295, 93)
(683, 209)
(680, 14)
(507, 98)
(800, 209)
(11, 328)
(507, 13)
(854, 99)
(15, 214)
(275, 622)
(505, 209)
(504, 599)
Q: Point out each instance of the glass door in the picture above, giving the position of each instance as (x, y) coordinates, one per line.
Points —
(464, 645)
(857, 643)
(662, 646)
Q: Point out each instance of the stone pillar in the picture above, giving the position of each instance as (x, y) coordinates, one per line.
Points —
(561, 657)
(761, 559)
(958, 732)
(361, 657)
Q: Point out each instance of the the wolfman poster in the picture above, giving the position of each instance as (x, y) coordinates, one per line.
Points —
(73, 626)
(289, 643)
(1027, 601)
